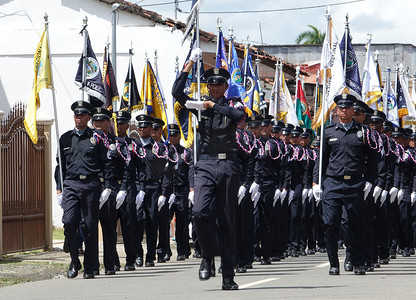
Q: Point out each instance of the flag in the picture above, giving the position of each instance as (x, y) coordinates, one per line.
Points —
(110, 88)
(413, 96)
(263, 104)
(42, 79)
(252, 100)
(286, 109)
(380, 100)
(152, 97)
(331, 64)
(302, 109)
(235, 87)
(350, 64)
(94, 86)
(389, 99)
(191, 20)
(405, 104)
(273, 105)
(130, 99)
(221, 58)
(371, 90)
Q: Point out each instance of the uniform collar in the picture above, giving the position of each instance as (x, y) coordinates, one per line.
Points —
(353, 125)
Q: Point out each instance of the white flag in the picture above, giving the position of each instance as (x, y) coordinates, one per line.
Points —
(409, 103)
(371, 90)
(287, 107)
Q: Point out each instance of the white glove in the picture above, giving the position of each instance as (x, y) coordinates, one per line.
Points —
(393, 193)
(256, 198)
(171, 200)
(191, 198)
(254, 188)
(198, 105)
(317, 193)
(283, 194)
(121, 196)
(276, 196)
(413, 197)
(310, 195)
(195, 54)
(139, 199)
(59, 198)
(376, 193)
(383, 197)
(304, 195)
(367, 189)
(291, 195)
(160, 202)
(241, 192)
(400, 195)
(104, 197)
(317, 201)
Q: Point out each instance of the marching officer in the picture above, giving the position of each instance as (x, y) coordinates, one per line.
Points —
(83, 157)
(347, 159)
(216, 172)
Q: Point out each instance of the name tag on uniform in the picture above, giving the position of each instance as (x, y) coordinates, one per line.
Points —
(333, 139)
(66, 148)
(204, 117)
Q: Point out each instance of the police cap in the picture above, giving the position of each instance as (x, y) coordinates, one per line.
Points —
(216, 76)
(101, 114)
(123, 116)
(277, 126)
(407, 132)
(413, 135)
(387, 126)
(378, 116)
(144, 120)
(307, 133)
(81, 108)
(173, 129)
(317, 141)
(297, 131)
(345, 100)
(287, 129)
(362, 107)
(398, 132)
(254, 121)
(158, 123)
(267, 120)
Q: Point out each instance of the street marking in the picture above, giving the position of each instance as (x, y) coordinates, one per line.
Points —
(322, 265)
(243, 286)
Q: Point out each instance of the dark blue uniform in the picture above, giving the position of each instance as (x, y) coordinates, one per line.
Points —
(216, 177)
(347, 160)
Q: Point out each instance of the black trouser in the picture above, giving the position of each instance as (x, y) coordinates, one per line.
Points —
(256, 231)
(149, 205)
(319, 225)
(394, 218)
(181, 211)
(369, 228)
(80, 205)
(128, 220)
(405, 231)
(216, 188)
(108, 221)
(348, 193)
(244, 231)
(265, 205)
(381, 230)
(308, 238)
(295, 210)
(163, 246)
(279, 246)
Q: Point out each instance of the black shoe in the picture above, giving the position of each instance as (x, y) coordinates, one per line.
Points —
(406, 253)
(322, 250)
(161, 260)
(333, 271)
(311, 251)
(376, 265)
(249, 266)
(110, 272)
(88, 275)
(73, 270)
(399, 251)
(219, 270)
(205, 269)
(257, 259)
(228, 284)
(241, 269)
(341, 246)
(412, 251)
(149, 263)
(348, 265)
(139, 262)
(129, 267)
(96, 272)
(359, 270)
(393, 255)
(197, 254)
(302, 252)
(369, 267)
(384, 261)
(181, 257)
(117, 268)
(166, 257)
(266, 261)
(294, 253)
(275, 258)
(213, 268)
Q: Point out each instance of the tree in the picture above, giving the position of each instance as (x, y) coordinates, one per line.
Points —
(313, 36)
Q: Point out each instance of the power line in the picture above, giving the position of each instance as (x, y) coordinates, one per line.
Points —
(164, 3)
(278, 10)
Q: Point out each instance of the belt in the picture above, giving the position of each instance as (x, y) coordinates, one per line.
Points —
(349, 177)
(102, 180)
(219, 156)
(83, 177)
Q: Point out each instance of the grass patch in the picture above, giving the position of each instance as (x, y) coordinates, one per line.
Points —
(11, 281)
(58, 233)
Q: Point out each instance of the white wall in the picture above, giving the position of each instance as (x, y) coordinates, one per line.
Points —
(20, 34)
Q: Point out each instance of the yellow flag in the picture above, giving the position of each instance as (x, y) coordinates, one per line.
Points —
(42, 79)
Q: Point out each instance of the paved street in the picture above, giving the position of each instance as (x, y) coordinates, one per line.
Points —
(292, 278)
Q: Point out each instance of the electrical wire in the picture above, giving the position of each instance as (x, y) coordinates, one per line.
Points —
(164, 3)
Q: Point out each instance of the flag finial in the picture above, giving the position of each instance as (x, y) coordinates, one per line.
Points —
(219, 21)
(231, 32)
(46, 17)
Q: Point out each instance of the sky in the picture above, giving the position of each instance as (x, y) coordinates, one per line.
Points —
(388, 21)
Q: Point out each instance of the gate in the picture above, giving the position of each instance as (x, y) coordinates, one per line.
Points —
(23, 184)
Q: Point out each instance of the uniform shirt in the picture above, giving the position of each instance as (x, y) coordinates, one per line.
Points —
(245, 140)
(125, 152)
(311, 157)
(154, 161)
(347, 153)
(218, 124)
(179, 171)
(298, 165)
(83, 154)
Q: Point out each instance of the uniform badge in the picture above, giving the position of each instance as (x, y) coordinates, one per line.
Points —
(216, 71)
(112, 147)
(359, 134)
(267, 147)
(130, 147)
(154, 149)
(93, 140)
(141, 153)
(183, 156)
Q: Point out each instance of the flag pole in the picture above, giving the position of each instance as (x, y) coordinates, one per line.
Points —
(323, 109)
(114, 9)
(276, 98)
(387, 86)
(54, 106)
(198, 95)
(155, 63)
(346, 45)
(231, 37)
(297, 84)
(316, 93)
(130, 67)
(279, 86)
(84, 32)
(218, 39)
(246, 62)
(146, 61)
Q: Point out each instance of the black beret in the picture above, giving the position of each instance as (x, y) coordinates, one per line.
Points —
(123, 116)
(216, 76)
(82, 107)
(345, 100)
(101, 114)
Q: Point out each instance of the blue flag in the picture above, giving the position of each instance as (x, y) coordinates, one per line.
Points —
(352, 74)
(235, 87)
(401, 101)
(221, 60)
(252, 100)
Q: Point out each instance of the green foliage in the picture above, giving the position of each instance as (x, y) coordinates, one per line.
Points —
(311, 37)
